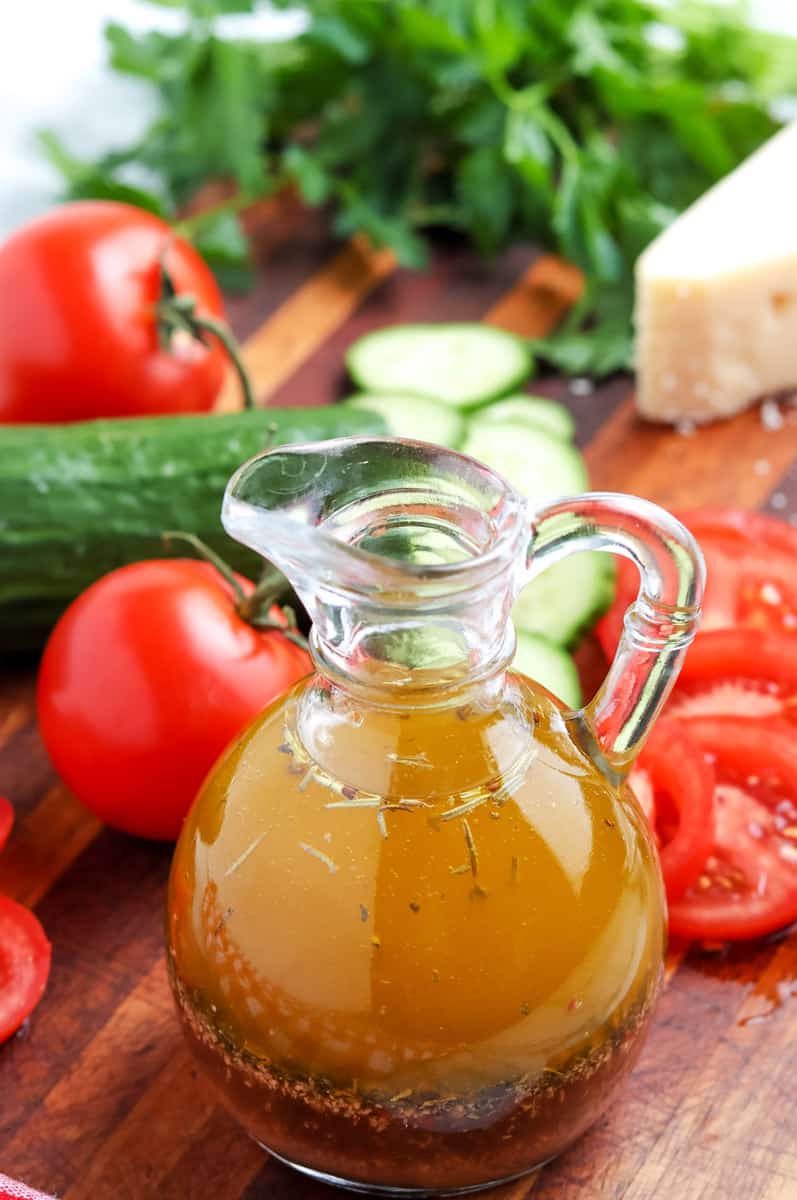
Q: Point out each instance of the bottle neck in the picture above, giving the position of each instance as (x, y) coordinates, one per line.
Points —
(422, 655)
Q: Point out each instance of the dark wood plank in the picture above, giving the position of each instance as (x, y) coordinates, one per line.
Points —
(733, 462)
(104, 917)
(289, 244)
(685, 1071)
(302, 323)
(456, 287)
(133, 1046)
(218, 1162)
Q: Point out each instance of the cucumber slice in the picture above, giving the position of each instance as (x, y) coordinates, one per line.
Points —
(461, 365)
(541, 467)
(412, 416)
(550, 665)
(571, 594)
(568, 598)
(538, 411)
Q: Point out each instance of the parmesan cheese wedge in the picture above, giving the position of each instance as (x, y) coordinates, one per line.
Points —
(716, 295)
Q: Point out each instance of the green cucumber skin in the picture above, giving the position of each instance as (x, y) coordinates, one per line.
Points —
(78, 500)
(539, 412)
(367, 382)
(549, 619)
(428, 417)
(545, 663)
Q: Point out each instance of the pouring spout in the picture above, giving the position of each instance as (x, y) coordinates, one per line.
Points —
(388, 543)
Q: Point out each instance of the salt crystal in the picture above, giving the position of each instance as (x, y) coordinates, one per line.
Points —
(581, 387)
(779, 501)
(762, 466)
(771, 416)
(685, 427)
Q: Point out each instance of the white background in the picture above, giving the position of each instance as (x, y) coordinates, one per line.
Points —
(52, 74)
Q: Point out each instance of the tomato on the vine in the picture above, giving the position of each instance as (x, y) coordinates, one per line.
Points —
(79, 335)
(145, 679)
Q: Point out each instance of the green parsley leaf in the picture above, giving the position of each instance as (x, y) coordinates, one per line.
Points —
(585, 126)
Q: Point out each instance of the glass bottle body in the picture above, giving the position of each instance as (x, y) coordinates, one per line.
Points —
(415, 945)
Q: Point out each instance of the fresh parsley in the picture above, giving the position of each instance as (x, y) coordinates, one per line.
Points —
(582, 125)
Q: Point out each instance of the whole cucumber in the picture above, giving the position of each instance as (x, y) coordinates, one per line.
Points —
(78, 500)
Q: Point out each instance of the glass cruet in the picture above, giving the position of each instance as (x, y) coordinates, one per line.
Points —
(416, 923)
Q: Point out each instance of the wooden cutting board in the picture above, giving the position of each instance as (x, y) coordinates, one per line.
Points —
(98, 1099)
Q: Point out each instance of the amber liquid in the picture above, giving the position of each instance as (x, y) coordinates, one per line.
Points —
(414, 947)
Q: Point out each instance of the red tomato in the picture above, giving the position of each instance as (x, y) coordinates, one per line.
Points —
(145, 679)
(752, 568)
(679, 789)
(78, 337)
(626, 586)
(24, 965)
(6, 820)
(748, 886)
(751, 561)
(738, 672)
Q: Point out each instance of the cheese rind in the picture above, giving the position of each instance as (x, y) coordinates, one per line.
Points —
(716, 295)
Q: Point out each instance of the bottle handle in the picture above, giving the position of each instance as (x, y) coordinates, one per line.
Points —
(658, 627)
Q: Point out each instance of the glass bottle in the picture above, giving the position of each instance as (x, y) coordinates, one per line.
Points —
(416, 923)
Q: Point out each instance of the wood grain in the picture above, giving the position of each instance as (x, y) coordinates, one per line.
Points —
(455, 287)
(98, 1099)
(539, 299)
(736, 462)
(305, 319)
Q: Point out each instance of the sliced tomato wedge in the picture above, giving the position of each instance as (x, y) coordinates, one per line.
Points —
(752, 568)
(6, 820)
(748, 885)
(751, 562)
(738, 673)
(740, 527)
(24, 965)
(676, 787)
(626, 586)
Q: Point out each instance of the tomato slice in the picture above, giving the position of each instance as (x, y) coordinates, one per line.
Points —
(741, 527)
(626, 586)
(6, 820)
(24, 965)
(751, 561)
(748, 886)
(739, 673)
(677, 786)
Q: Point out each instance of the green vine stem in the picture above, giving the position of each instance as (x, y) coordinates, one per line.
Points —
(177, 311)
(254, 608)
(187, 227)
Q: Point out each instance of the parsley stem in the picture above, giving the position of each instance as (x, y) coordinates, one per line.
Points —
(188, 227)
